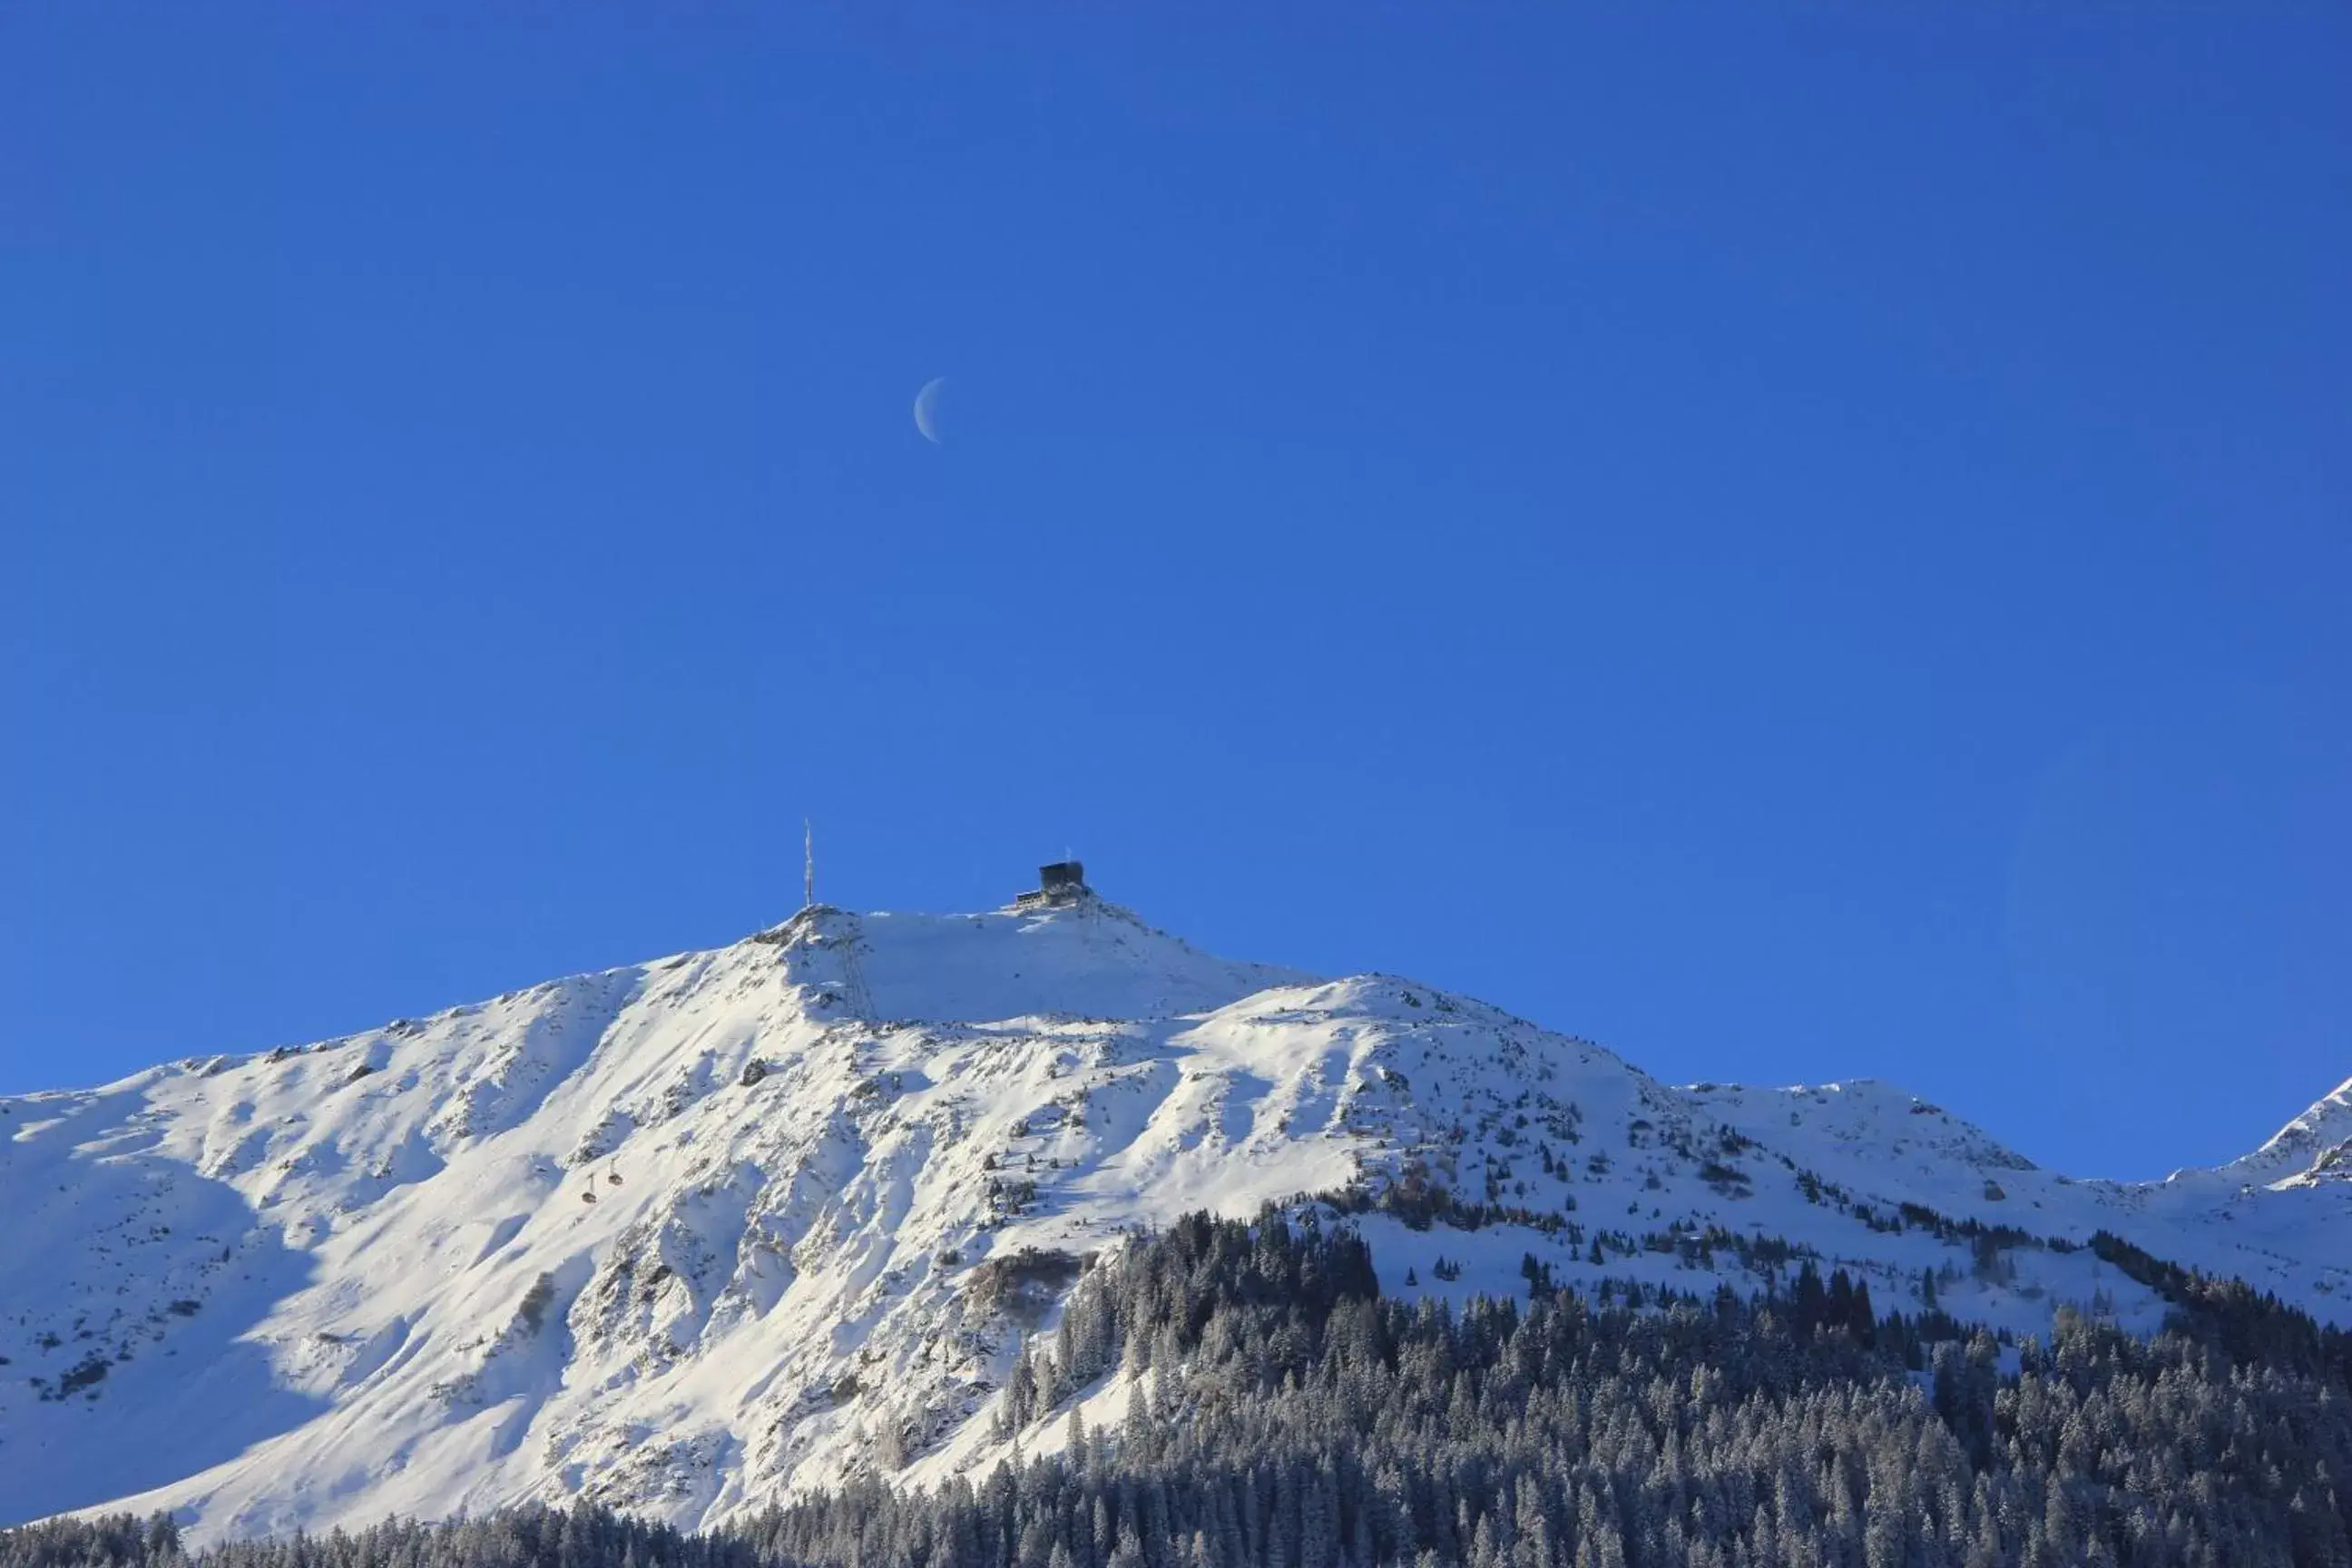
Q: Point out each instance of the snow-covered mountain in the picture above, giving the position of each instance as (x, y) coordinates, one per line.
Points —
(685, 1236)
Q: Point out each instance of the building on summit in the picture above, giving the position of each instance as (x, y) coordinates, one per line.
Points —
(1063, 882)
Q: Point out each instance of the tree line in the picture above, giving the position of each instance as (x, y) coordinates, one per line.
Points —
(1279, 1413)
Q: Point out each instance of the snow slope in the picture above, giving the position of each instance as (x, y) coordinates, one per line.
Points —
(688, 1236)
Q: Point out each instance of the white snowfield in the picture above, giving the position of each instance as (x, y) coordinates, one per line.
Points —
(688, 1236)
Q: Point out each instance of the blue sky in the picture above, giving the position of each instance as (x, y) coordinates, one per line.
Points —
(1797, 542)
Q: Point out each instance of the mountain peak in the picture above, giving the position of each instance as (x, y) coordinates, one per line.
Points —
(1077, 955)
(2311, 1146)
(690, 1235)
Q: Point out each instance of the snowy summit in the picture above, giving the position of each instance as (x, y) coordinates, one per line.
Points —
(688, 1237)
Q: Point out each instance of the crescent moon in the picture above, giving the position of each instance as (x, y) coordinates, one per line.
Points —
(926, 409)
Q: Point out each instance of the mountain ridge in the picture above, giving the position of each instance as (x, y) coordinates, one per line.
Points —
(688, 1236)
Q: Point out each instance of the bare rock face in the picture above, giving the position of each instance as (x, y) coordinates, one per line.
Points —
(688, 1237)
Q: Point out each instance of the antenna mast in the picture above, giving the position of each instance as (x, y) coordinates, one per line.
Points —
(808, 863)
